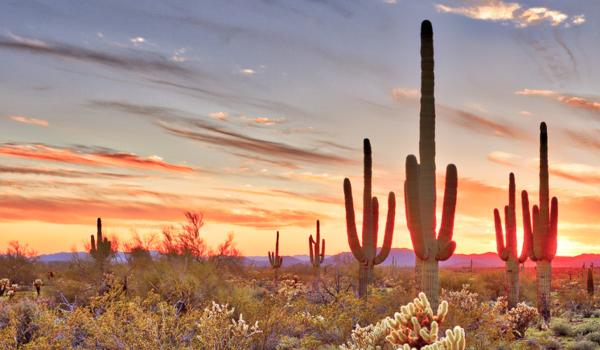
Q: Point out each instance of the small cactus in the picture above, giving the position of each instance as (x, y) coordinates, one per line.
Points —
(100, 247)
(316, 249)
(542, 231)
(37, 284)
(366, 254)
(590, 281)
(4, 286)
(508, 252)
(274, 259)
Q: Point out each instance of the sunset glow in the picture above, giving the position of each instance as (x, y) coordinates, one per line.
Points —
(253, 114)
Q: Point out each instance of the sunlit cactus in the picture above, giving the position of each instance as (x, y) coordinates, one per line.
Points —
(274, 259)
(507, 249)
(541, 229)
(420, 190)
(590, 281)
(37, 284)
(367, 254)
(317, 250)
(100, 247)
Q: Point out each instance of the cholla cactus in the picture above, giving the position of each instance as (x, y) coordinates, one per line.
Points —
(37, 284)
(274, 259)
(366, 254)
(545, 230)
(316, 249)
(4, 286)
(217, 329)
(507, 251)
(521, 317)
(100, 247)
(415, 327)
(420, 189)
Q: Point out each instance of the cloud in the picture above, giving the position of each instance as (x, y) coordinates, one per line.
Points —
(88, 156)
(209, 133)
(400, 94)
(281, 163)
(219, 115)
(60, 172)
(65, 210)
(146, 63)
(481, 124)
(501, 11)
(503, 158)
(266, 121)
(30, 121)
(589, 140)
(247, 71)
(580, 173)
(578, 102)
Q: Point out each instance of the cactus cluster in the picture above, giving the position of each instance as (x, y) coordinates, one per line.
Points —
(366, 254)
(541, 229)
(507, 249)
(37, 284)
(415, 327)
(316, 248)
(100, 247)
(420, 189)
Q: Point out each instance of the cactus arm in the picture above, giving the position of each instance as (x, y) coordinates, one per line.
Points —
(411, 195)
(552, 237)
(527, 250)
(271, 260)
(447, 251)
(502, 252)
(353, 241)
(322, 250)
(92, 245)
(389, 230)
(538, 240)
(449, 208)
(375, 221)
(310, 250)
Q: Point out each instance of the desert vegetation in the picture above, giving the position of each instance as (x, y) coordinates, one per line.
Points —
(173, 291)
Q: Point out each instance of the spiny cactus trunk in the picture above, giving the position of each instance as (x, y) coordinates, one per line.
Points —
(431, 281)
(418, 272)
(512, 276)
(363, 281)
(544, 279)
(590, 281)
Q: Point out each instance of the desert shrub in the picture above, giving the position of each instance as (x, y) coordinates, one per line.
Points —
(583, 345)
(586, 328)
(561, 329)
(521, 318)
(593, 336)
(551, 344)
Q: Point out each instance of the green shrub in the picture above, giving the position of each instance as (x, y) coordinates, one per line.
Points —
(594, 336)
(561, 329)
(583, 345)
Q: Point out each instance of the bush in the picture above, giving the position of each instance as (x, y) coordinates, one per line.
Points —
(583, 345)
(594, 336)
(561, 329)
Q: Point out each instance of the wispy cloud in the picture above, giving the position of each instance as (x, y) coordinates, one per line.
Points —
(590, 140)
(579, 102)
(30, 121)
(61, 172)
(513, 12)
(235, 142)
(134, 61)
(92, 156)
(503, 158)
(481, 124)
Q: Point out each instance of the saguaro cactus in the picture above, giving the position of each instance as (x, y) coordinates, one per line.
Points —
(274, 259)
(508, 251)
(419, 187)
(366, 254)
(100, 247)
(590, 281)
(545, 230)
(317, 250)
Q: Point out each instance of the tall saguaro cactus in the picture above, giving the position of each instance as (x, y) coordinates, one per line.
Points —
(317, 250)
(508, 252)
(366, 254)
(542, 229)
(419, 187)
(100, 247)
(274, 259)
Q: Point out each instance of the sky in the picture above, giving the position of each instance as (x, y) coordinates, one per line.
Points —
(252, 112)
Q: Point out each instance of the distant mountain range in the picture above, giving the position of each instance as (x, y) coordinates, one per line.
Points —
(402, 256)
